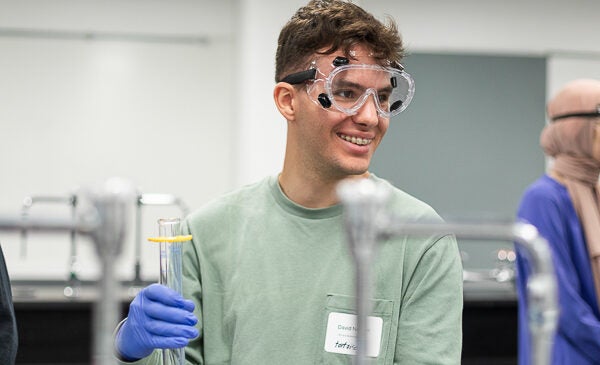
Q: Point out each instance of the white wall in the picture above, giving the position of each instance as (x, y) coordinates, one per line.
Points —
(564, 67)
(483, 26)
(91, 89)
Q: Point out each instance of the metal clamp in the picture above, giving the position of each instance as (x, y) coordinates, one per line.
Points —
(104, 219)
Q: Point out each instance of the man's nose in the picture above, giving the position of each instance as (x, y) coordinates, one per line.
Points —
(367, 114)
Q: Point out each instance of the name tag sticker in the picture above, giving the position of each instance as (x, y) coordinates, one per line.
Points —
(342, 334)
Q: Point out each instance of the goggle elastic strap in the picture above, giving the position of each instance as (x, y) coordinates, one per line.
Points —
(580, 115)
(309, 74)
(299, 77)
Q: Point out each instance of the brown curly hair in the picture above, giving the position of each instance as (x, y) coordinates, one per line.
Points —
(336, 24)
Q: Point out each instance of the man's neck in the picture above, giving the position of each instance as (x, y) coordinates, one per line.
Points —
(310, 191)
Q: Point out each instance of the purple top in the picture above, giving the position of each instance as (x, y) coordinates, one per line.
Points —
(546, 204)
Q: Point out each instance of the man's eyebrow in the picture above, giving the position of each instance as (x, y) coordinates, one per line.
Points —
(346, 83)
(352, 84)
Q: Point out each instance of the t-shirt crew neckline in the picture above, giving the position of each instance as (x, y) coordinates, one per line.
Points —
(293, 208)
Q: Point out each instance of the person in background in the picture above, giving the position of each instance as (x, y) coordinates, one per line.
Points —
(9, 339)
(564, 206)
(269, 277)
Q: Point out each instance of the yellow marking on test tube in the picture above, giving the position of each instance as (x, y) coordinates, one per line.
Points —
(171, 239)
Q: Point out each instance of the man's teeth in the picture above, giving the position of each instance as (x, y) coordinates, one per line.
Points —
(356, 140)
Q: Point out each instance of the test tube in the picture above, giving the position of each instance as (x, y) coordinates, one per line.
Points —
(170, 242)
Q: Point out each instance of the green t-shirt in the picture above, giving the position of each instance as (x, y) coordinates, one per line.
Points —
(273, 283)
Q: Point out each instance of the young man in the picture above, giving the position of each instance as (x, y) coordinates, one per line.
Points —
(269, 275)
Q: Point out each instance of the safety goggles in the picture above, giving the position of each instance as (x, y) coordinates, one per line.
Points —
(590, 114)
(348, 86)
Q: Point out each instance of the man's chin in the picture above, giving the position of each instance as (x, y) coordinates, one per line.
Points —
(357, 171)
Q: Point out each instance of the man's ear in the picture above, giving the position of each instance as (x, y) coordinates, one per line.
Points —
(285, 99)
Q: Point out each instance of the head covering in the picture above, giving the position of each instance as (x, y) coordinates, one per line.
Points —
(570, 141)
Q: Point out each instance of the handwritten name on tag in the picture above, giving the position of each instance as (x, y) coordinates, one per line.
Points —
(341, 336)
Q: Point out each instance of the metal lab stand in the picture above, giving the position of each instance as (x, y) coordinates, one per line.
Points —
(367, 222)
(104, 220)
(73, 283)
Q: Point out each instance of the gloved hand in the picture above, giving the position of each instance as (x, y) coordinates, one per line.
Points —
(158, 318)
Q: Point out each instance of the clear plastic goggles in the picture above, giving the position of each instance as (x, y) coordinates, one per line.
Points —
(349, 86)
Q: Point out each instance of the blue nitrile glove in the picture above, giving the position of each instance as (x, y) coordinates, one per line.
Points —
(159, 318)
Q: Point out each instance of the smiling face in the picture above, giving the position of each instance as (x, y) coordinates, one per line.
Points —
(329, 143)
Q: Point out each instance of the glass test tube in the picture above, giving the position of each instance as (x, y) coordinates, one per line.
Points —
(171, 274)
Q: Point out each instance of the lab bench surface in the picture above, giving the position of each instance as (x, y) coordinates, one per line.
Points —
(55, 330)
